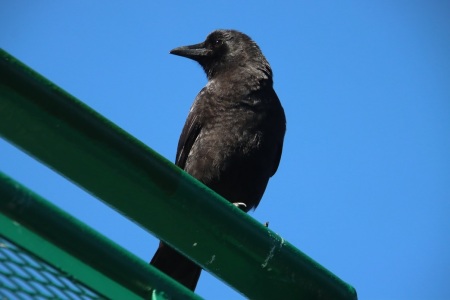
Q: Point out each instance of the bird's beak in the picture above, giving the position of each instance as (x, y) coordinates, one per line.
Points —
(195, 52)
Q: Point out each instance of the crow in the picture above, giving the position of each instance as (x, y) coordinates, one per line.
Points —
(233, 136)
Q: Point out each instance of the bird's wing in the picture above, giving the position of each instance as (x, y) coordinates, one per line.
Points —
(277, 158)
(188, 136)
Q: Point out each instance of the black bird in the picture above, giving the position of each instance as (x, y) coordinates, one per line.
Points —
(233, 136)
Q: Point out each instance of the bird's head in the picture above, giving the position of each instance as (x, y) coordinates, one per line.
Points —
(227, 50)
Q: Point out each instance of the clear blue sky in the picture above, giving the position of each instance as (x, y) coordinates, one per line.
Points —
(364, 182)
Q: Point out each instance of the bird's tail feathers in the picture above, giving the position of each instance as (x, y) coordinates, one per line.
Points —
(176, 265)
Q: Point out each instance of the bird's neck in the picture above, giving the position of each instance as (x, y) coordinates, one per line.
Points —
(251, 76)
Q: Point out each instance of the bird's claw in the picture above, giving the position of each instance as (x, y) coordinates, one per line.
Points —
(240, 204)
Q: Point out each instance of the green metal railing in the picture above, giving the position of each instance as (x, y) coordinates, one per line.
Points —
(110, 164)
(58, 245)
(54, 238)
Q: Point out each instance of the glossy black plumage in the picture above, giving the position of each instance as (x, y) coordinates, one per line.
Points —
(233, 136)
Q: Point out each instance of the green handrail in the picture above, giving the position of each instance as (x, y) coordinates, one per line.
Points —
(59, 239)
(110, 164)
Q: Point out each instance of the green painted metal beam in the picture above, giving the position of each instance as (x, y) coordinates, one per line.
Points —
(59, 239)
(77, 142)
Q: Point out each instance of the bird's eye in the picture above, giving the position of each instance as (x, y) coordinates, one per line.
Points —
(217, 43)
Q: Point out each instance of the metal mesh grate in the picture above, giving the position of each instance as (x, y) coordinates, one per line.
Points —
(25, 276)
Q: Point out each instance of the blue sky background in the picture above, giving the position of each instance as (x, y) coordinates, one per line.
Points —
(364, 182)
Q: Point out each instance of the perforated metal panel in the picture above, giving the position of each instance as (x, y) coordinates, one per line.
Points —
(25, 276)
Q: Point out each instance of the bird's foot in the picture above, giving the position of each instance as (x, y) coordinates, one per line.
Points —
(240, 205)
